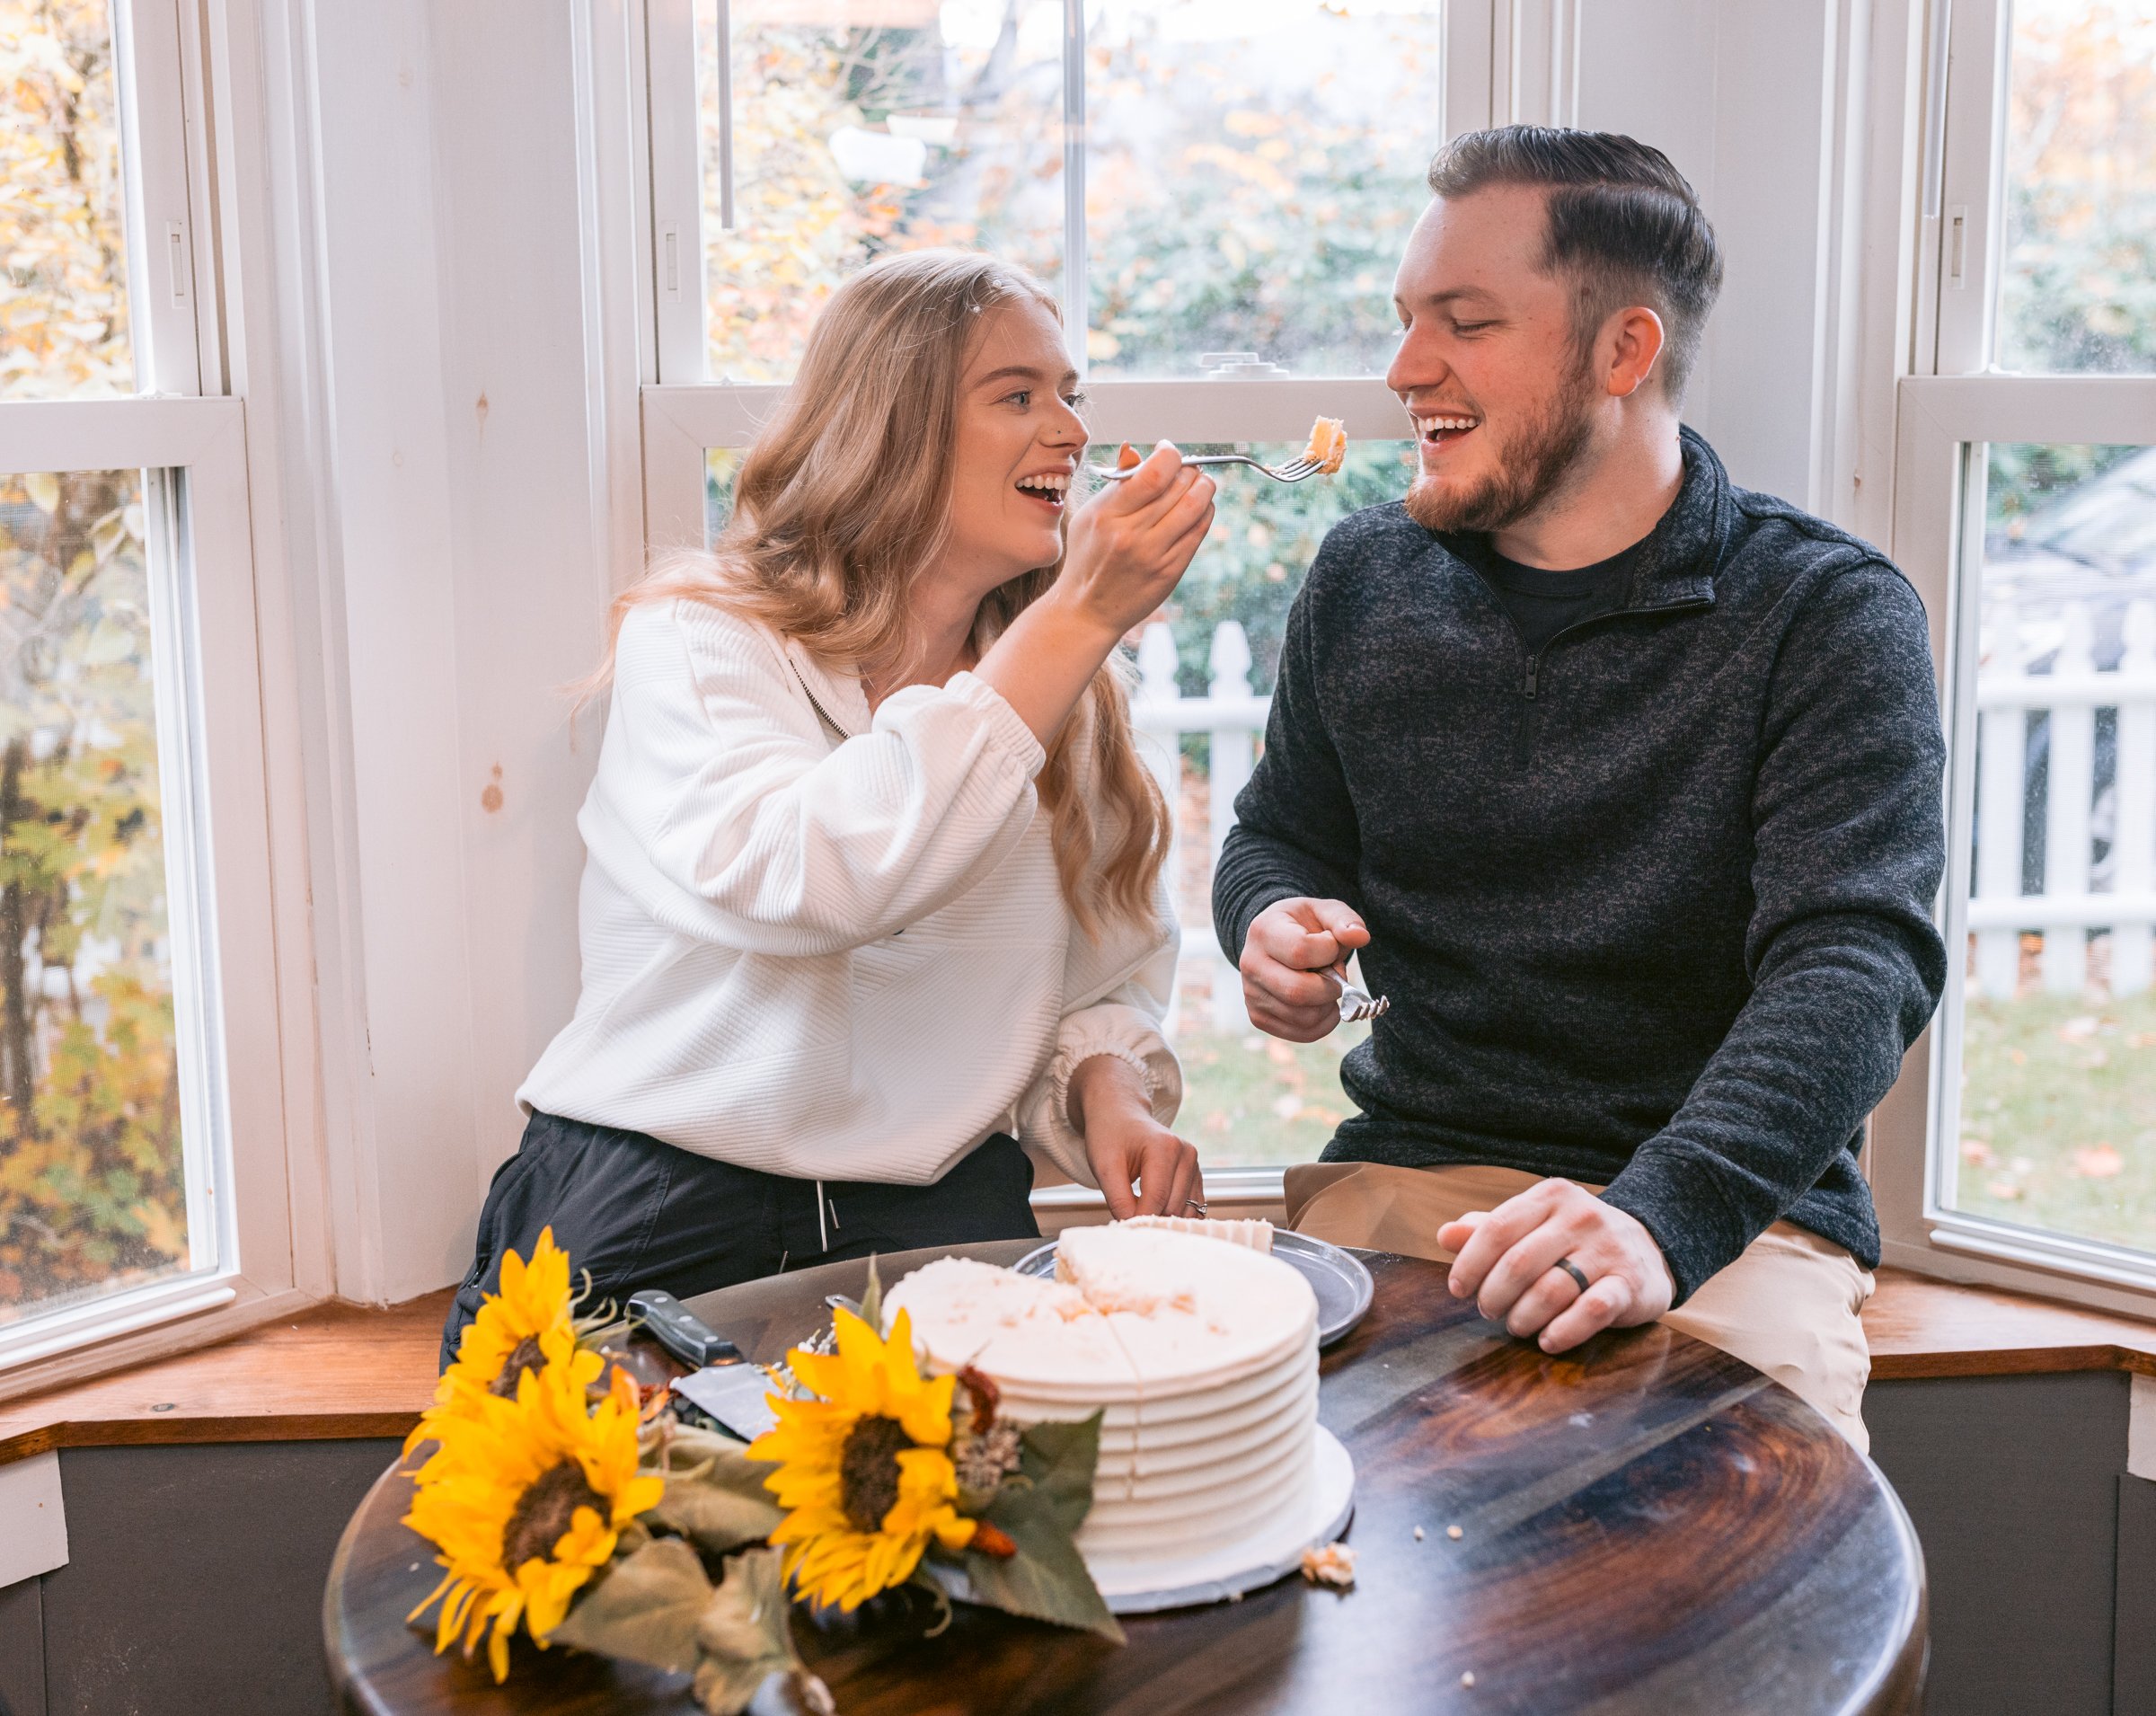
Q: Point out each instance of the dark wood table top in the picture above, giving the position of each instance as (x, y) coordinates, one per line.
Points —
(1645, 1525)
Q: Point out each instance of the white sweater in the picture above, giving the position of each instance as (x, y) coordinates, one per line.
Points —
(830, 946)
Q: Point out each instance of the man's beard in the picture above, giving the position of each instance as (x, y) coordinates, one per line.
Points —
(1532, 465)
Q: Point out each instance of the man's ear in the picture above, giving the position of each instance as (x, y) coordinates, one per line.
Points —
(1639, 341)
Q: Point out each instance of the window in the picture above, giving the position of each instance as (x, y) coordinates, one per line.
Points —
(2026, 508)
(134, 945)
(1219, 195)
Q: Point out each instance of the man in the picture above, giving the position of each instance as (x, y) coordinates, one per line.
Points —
(1625, 781)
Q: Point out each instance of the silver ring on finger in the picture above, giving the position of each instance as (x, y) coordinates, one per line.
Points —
(1574, 1270)
(1192, 1204)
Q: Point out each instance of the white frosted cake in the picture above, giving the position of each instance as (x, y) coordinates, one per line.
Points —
(1203, 1356)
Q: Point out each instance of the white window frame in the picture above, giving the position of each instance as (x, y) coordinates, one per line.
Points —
(1948, 409)
(1504, 60)
(242, 959)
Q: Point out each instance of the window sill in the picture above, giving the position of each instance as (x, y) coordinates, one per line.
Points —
(332, 1372)
(343, 1372)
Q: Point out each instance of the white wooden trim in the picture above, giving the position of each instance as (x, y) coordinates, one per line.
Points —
(113, 434)
(678, 259)
(197, 1313)
(620, 330)
(33, 1519)
(162, 299)
(1970, 193)
(254, 54)
(1944, 422)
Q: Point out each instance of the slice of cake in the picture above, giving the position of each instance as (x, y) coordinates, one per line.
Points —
(1202, 1357)
(1256, 1234)
(1328, 448)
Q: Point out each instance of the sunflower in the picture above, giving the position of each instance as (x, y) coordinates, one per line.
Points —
(518, 1329)
(863, 1472)
(526, 1497)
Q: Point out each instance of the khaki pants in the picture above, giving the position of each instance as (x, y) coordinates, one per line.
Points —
(1788, 1307)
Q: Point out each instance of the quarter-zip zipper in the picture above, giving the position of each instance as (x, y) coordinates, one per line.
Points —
(1530, 682)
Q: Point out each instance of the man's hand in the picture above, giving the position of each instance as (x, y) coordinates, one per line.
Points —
(1292, 944)
(1508, 1257)
(1142, 1168)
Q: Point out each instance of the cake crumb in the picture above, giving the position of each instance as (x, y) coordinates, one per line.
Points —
(1419, 1534)
(1468, 1679)
(1333, 1565)
(1454, 1533)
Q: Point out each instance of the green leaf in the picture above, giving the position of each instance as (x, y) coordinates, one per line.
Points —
(745, 1619)
(871, 1298)
(745, 1638)
(645, 1610)
(716, 1518)
(715, 1492)
(1059, 1459)
(1048, 1578)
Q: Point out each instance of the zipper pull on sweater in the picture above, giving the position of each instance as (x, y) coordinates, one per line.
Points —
(1535, 668)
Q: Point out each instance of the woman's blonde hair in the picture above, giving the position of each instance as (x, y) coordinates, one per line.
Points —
(845, 495)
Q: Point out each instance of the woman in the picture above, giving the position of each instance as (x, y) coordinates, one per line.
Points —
(873, 889)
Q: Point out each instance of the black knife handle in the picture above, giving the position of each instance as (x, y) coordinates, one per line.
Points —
(681, 1332)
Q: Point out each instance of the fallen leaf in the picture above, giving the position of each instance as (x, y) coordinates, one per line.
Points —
(2098, 1161)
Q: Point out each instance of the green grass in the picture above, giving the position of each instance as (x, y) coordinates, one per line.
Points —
(2058, 1125)
(2058, 1115)
(1255, 1101)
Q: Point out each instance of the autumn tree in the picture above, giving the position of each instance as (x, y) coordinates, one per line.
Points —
(91, 1186)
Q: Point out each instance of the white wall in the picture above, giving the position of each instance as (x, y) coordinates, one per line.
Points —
(1740, 94)
(465, 584)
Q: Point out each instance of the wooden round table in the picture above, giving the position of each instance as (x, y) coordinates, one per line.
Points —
(1646, 1524)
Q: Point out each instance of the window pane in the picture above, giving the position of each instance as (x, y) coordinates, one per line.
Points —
(1251, 173)
(866, 126)
(1249, 1098)
(93, 1186)
(63, 256)
(2057, 1125)
(2078, 289)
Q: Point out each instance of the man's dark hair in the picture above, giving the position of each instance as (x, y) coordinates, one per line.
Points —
(1623, 223)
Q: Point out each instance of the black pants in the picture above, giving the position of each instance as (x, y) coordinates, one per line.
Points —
(638, 1214)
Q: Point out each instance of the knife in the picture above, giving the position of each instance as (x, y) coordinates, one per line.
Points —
(723, 1381)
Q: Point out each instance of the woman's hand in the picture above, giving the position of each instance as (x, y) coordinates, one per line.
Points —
(1126, 1147)
(1130, 545)
(1127, 550)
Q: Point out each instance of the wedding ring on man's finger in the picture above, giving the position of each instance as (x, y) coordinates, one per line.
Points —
(1572, 1270)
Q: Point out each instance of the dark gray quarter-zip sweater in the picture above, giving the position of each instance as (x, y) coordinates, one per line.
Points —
(1653, 907)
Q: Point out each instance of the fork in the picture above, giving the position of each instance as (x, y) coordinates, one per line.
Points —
(1356, 1002)
(1293, 471)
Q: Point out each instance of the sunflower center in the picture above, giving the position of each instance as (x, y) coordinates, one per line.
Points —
(545, 1511)
(867, 1470)
(523, 1357)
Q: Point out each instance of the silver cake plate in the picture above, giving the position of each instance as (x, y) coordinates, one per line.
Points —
(1338, 1278)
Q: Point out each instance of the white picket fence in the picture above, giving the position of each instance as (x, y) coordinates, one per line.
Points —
(1231, 716)
(2074, 898)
